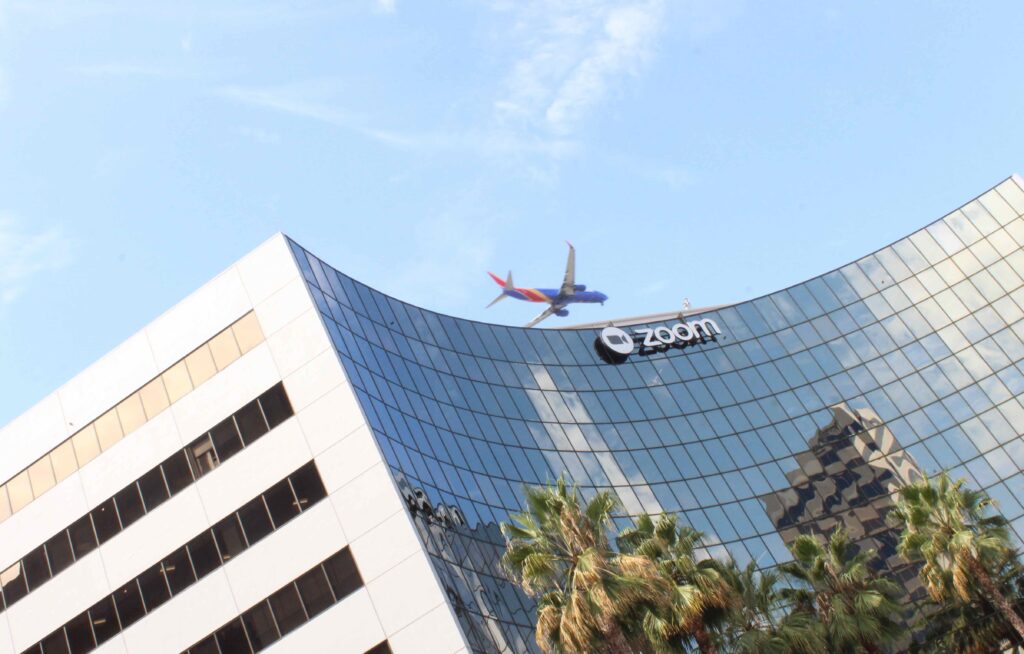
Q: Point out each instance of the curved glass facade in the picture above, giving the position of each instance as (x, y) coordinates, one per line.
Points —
(809, 408)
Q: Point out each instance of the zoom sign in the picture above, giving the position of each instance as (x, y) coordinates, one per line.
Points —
(616, 344)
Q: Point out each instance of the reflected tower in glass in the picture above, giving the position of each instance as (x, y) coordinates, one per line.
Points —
(812, 405)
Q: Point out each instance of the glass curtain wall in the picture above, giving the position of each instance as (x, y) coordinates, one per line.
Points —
(808, 409)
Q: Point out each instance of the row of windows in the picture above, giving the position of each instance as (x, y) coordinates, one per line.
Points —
(180, 569)
(820, 379)
(287, 609)
(134, 411)
(146, 493)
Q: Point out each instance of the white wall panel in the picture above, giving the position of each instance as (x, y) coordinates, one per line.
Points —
(128, 459)
(385, 546)
(405, 593)
(253, 470)
(57, 601)
(31, 435)
(191, 322)
(6, 644)
(185, 618)
(108, 381)
(156, 535)
(225, 392)
(298, 342)
(55, 510)
(434, 633)
(350, 457)
(283, 306)
(308, 539)
(349, 627)
(331, 418)
(310, 382)
(115, 645)
(267, 268)
(366, 501)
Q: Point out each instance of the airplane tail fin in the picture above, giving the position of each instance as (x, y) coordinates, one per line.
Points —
(506, 285)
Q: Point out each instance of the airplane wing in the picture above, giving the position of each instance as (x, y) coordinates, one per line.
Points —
(550, 311)
(569, 283)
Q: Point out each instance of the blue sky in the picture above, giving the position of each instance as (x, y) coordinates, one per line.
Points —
(712, 150)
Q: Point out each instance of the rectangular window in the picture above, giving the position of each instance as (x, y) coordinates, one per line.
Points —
(13, 581)
(37, 569)
(153, 488)
(228, 534)
(287, 609)
(309, 488)
(58, 551)
(85, 444)
(79, 632)
(83, 538)
(276, 406)
(104, 620)
(202, 456)
(177, 381)
(129, 504)
(231, 638)
(225, 439)
(224, 349)
(281, 503)
(255, 520)
(343, 574)
(260, 626)
(104, 518)
(250, 422)
(128, 600)
(177, 472)
(108, 429)
(200, 365)
(63, 460)
(154, 398)
(154, 587)
(55, 643)
(315, 591)
(203, 552)
(178, 571)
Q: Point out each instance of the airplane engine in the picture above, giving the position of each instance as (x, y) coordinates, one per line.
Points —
(579, 287)
(562, 312)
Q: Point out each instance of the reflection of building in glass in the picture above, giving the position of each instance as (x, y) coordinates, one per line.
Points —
(846, 477)
(807, 409)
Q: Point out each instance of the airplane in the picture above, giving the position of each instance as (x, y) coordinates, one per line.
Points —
(559, 298)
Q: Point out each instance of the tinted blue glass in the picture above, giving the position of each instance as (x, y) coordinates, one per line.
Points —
(813, 402)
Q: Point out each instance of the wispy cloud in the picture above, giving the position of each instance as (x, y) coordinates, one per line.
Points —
(387, 6)
(24, 254)
(570, 55)
(309, 101)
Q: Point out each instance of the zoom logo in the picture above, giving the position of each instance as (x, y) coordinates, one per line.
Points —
(617, 341)
(615, 344)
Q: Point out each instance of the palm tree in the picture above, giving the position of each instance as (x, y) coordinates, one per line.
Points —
(857, 610)
(973, 627)
(558, 551)
(961, 544)
(761, 622)
(702, 598)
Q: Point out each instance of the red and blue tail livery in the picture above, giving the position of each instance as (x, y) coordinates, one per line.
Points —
(558, 298)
